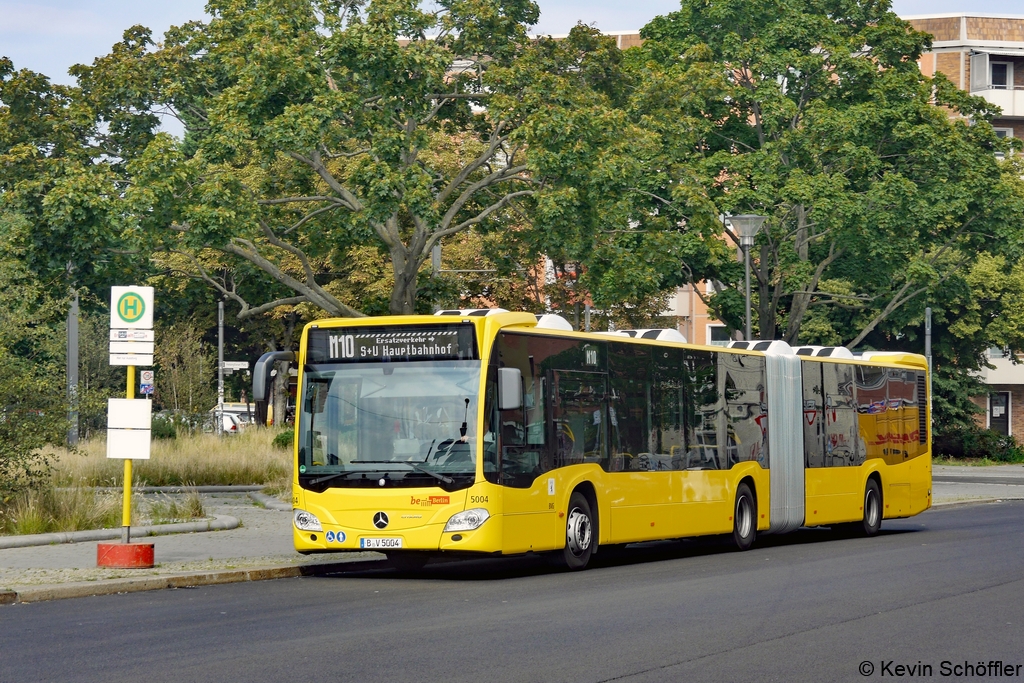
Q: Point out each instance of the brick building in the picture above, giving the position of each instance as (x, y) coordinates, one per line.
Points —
(984, 55)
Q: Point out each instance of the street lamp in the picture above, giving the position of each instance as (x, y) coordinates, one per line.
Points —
(747, 226)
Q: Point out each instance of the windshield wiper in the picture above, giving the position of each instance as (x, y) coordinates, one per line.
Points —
(435, 475)
(412, 465)
(320, 480)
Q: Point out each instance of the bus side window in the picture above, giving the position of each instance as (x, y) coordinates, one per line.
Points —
(703, 415)
(745, 400)
(579, 418)
(629, 419)
(814, 414)
(842, 442)
(872, 407)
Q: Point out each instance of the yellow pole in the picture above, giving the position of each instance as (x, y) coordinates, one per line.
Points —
(126, 512)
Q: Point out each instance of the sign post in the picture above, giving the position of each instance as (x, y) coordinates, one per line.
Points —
(129, 420)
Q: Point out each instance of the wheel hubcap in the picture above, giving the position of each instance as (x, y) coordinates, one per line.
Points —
(743, 517)
(577, 532)
(871, 507)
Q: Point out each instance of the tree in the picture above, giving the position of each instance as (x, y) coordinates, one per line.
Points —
(62, 176)
(315, 129)
(187, 367)
(33, 412)
(820, 119)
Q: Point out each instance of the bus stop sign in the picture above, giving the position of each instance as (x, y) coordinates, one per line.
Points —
(131, 308)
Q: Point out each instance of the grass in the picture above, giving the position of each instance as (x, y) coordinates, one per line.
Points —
(70, 502)
(198, 460)
(52, 509)
(60, 509)
(972, 462)
(168, 509)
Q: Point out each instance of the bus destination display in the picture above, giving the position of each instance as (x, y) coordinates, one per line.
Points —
(375, 345)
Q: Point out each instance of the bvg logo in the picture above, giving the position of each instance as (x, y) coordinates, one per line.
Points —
(131, 307)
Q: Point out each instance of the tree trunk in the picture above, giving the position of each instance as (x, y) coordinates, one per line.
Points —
(765, 307)
(403, 295)
(801, 300)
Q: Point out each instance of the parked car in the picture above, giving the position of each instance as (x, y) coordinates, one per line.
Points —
(231, 423)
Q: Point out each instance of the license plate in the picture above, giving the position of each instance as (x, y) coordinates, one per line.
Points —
(380, 543)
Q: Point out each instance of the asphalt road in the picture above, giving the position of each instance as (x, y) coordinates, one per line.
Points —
(947, 585)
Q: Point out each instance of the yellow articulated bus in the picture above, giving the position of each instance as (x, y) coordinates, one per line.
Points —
(498, 433)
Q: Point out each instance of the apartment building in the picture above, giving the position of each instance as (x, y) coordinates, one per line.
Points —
(984, 55)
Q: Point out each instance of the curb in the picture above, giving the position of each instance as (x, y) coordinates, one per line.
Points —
(186, 489)
(270, 502)
(976, 501)
(188, 580)
(218, 523)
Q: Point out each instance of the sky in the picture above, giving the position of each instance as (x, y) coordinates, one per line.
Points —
(49, 36)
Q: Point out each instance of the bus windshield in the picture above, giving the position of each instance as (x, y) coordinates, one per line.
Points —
(389, 424)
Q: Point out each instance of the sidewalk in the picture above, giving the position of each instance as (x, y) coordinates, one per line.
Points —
(958, 484)
(261, 547)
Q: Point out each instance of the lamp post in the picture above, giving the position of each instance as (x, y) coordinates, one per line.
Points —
(747, 226)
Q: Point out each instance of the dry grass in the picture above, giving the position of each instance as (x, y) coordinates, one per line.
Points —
(199, 460)
(171, 509)
(52, 509)
(55, 509)
(68, 502)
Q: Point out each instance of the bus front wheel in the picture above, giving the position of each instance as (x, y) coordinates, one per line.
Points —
(579, 533)
(744, 525)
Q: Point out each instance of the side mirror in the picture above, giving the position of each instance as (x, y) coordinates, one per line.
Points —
(510, 389)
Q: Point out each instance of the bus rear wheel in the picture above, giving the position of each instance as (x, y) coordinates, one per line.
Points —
(872, 521)
(579, 533)
(744, 520)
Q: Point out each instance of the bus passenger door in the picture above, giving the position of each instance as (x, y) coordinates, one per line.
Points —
(814, 435)
(528, 491)
(835, 490)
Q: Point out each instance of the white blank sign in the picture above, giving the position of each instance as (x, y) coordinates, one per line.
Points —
(128, 444)
(129, 413)
(129, 421)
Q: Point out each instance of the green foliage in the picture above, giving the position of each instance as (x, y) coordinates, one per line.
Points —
(974, 443)
(316, 131)
(819, 119)
(284, 439)
(164, 428)
(186, 367)
(33, 412)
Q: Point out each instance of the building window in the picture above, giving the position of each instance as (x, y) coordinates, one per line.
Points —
(1002, 133)
(718, 335)
(1001, 75)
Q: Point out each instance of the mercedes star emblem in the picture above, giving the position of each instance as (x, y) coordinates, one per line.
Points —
(380, 520)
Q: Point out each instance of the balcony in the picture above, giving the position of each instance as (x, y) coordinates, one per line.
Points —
(1010, 101)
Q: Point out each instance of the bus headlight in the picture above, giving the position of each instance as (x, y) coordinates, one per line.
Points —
(467, 520)
(306, 521)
